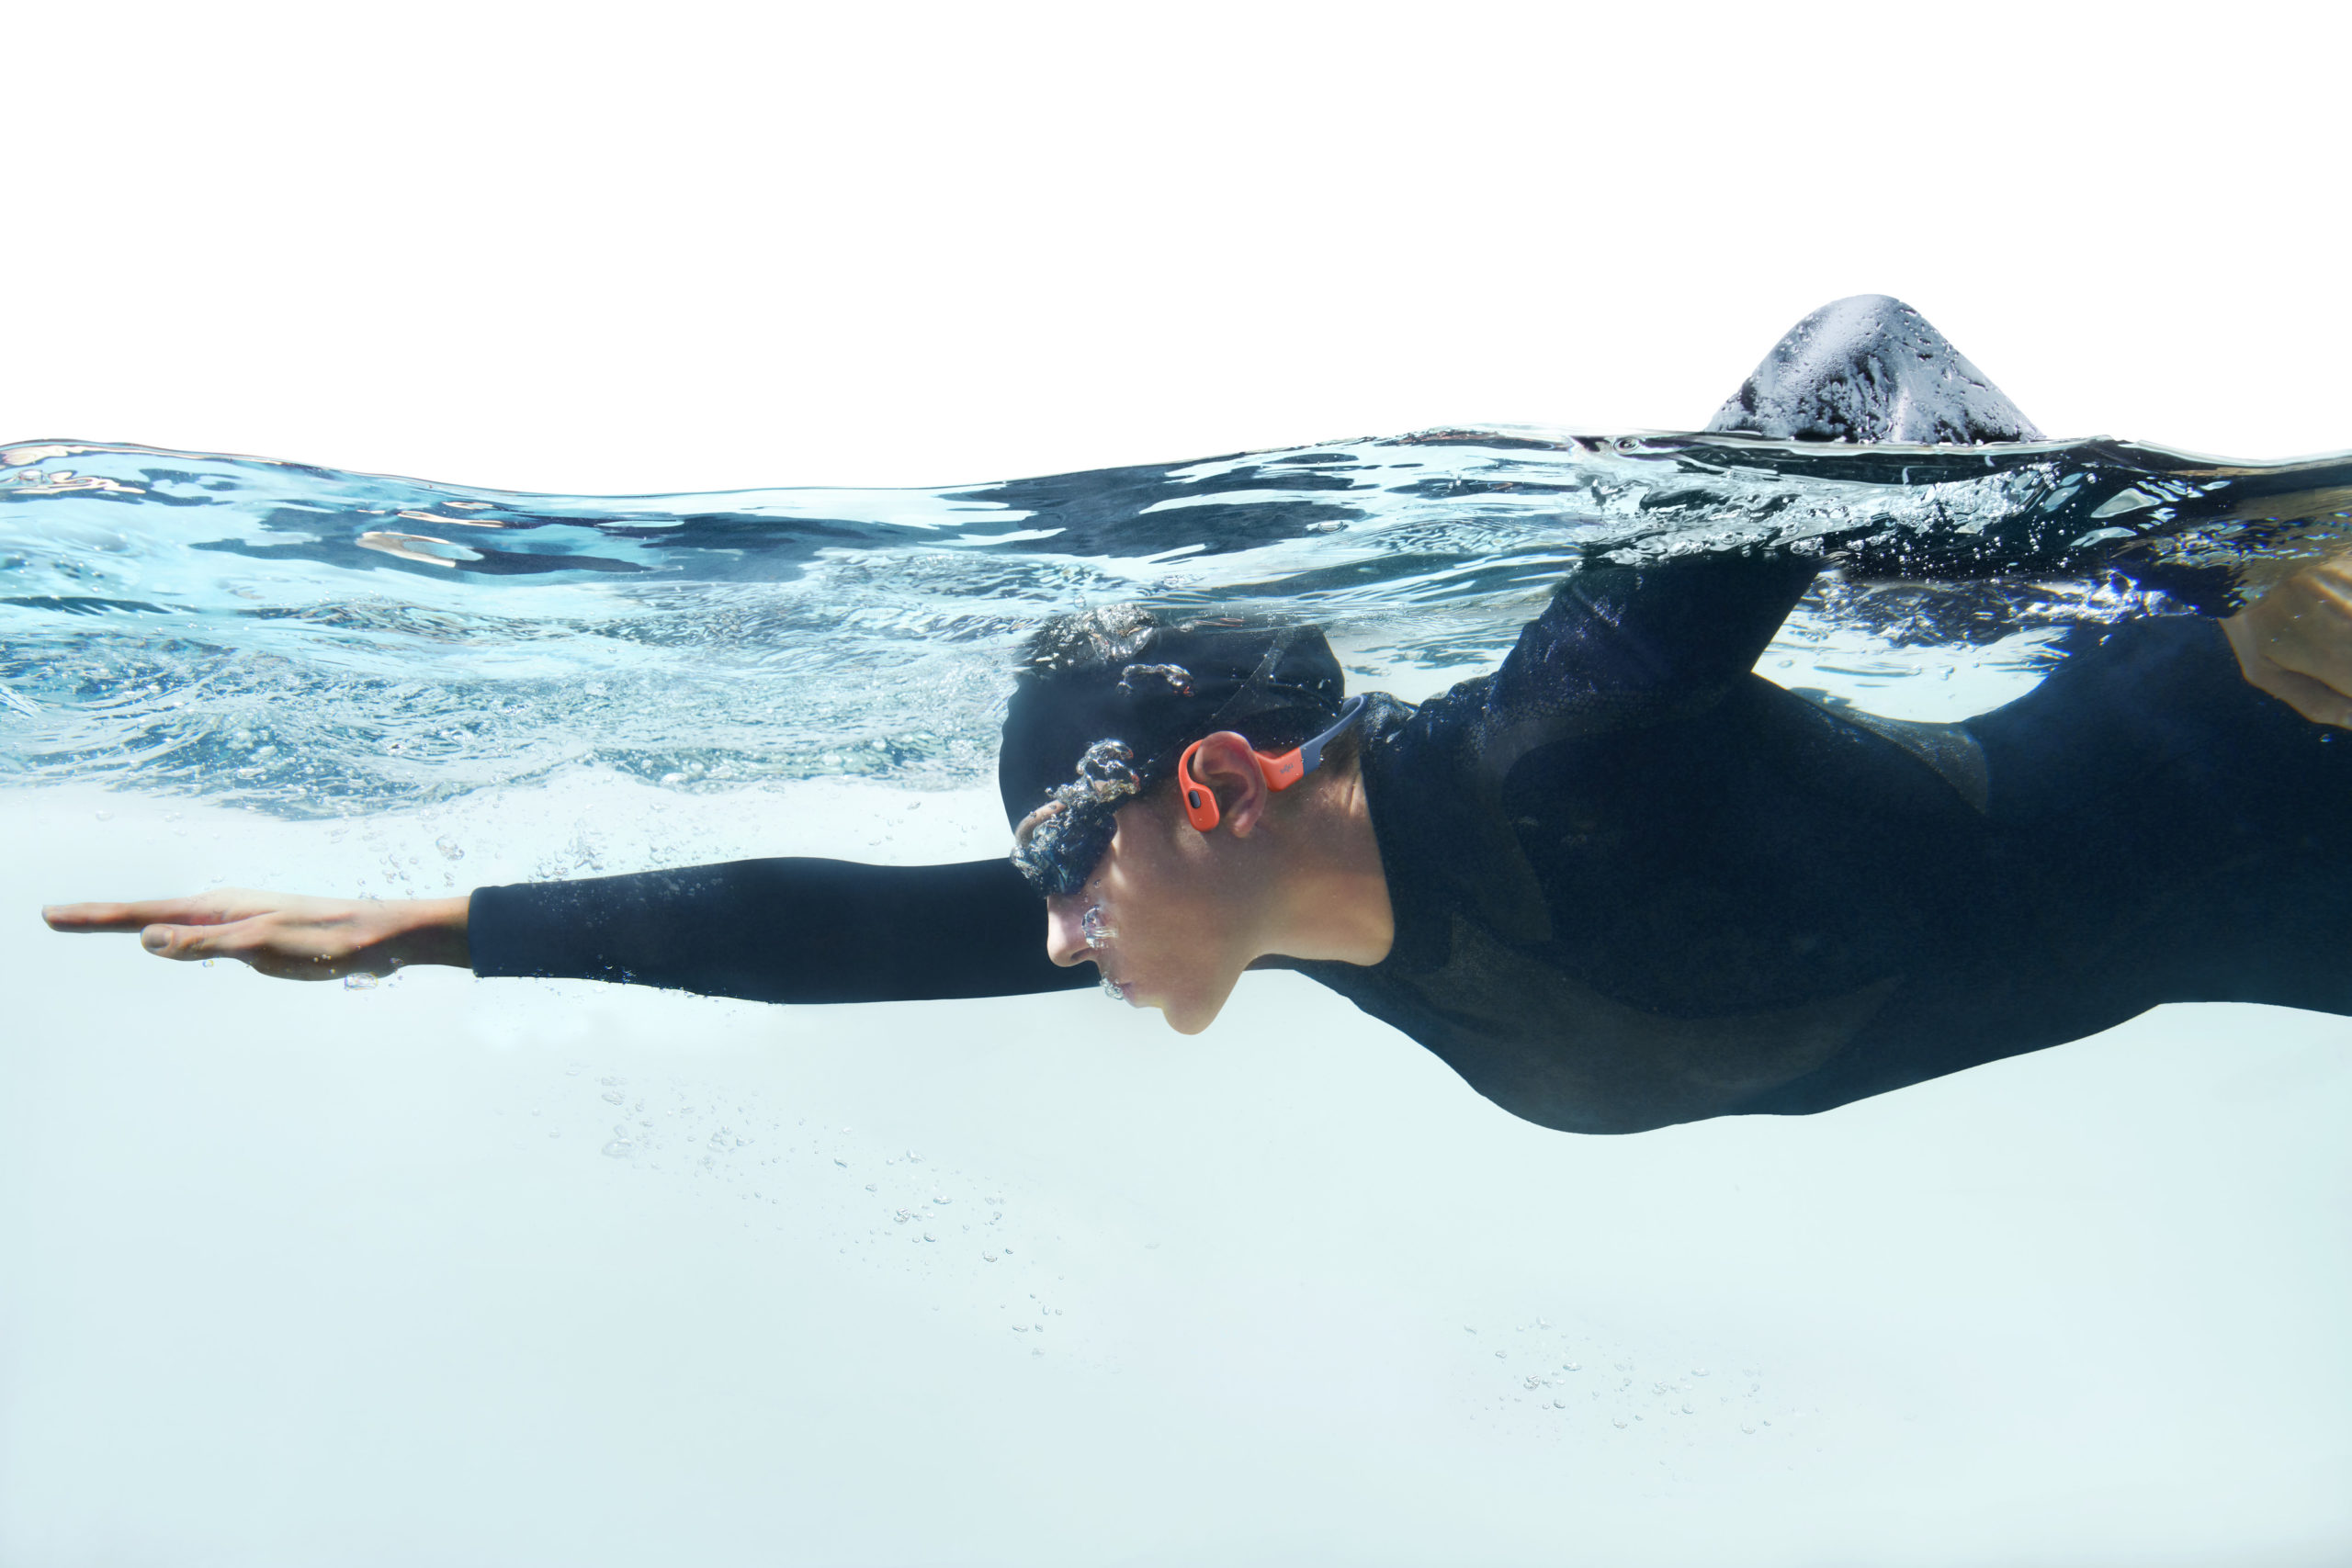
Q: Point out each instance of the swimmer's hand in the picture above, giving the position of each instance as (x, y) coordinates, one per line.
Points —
(284, 934)
(2295, 641)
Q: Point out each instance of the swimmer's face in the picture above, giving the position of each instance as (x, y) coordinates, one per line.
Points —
(1166, 893)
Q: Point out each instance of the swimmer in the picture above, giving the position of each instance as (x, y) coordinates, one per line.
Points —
(1620, 883)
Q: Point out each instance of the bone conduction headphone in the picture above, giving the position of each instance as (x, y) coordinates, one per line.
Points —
(1281, 772)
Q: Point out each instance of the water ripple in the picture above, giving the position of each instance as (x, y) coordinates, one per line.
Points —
(312, 642)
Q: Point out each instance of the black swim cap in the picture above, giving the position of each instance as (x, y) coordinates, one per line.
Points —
(1107, 700)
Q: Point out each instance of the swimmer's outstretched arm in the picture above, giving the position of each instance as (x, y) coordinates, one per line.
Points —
(284, 934)
(787, 929)
(783, 929)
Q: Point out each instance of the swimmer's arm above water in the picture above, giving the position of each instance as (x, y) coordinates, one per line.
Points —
(284, 934)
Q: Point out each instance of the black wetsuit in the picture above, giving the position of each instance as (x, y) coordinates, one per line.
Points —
(1636, 884)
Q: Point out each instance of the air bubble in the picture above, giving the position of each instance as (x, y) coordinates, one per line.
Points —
(620, 1149)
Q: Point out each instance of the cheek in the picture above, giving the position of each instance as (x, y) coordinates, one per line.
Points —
(1168, 946)
(1154, 898)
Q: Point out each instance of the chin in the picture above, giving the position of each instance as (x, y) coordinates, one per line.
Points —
(1188, 1018)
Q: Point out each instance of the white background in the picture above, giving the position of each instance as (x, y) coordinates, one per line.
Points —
(586, 247)
(280, 1287)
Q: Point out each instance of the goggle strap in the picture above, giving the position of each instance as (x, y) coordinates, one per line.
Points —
(1311, 752)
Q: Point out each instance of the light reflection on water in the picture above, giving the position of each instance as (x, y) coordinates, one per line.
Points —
(312, 642)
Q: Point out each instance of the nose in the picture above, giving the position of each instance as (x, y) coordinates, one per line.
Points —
(1065, 941)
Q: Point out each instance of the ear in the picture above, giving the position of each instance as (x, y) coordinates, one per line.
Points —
(1226, 766)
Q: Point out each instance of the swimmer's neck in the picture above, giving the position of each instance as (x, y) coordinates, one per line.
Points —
(1330, 900)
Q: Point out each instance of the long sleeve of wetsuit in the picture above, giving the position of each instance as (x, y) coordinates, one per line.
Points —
(780, 931)
(1626, 646)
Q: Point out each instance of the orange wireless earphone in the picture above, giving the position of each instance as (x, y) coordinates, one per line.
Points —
(1282, 771)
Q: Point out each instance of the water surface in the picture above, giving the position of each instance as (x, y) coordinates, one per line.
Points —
(314, 642)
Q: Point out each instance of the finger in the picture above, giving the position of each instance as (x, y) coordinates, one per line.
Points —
(2310, 630)
(187, 942)
(203, 909)
(309, 949)
(2315, 700)
(2330, 668)
(109, 917)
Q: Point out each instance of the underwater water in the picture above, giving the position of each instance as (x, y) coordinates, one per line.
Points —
(526, 1272)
